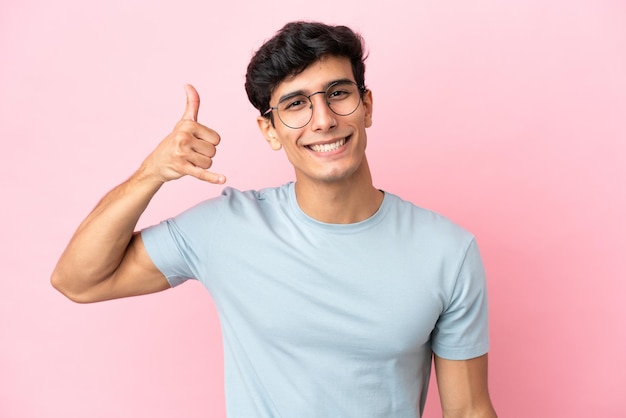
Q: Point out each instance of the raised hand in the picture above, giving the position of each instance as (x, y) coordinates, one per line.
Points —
(188, 150)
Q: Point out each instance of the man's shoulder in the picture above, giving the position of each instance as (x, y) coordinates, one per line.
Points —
(233, 196)
(233, 208)
(264, 194)
(425, 221)
(240, 203)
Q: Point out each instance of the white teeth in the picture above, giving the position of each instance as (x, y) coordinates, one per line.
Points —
(328, 147)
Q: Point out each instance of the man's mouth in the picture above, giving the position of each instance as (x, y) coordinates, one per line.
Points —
(327, 147)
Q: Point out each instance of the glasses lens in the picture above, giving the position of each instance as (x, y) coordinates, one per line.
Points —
(343, 98)
(295, 111)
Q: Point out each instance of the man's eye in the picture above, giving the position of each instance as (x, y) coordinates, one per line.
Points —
(338, 94)
(295, 104)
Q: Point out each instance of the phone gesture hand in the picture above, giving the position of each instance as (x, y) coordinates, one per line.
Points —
(188, 150)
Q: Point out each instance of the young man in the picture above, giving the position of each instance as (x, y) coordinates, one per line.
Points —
(332, 295)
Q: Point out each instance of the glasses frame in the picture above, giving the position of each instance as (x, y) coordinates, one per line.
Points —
(361, 90)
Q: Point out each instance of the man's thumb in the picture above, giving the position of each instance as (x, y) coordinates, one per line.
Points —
(193, 104)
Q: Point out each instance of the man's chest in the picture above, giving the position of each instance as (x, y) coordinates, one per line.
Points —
(358, 297)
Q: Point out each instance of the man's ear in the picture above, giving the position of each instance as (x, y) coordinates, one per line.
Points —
(368, 105)
(269, 132)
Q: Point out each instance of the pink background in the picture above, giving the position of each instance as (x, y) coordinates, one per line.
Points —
(507, 117)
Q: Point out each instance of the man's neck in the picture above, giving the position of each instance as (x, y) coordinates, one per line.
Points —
(342, 202)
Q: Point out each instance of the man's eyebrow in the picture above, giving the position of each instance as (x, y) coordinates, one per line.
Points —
(339, 81)
(289, 95)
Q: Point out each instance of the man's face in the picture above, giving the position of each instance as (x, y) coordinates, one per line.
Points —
(330, 148)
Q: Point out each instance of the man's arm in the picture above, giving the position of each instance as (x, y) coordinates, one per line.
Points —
(106, 259)
(463, 388)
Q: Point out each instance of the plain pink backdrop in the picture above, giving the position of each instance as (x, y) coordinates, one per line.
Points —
(507, 117)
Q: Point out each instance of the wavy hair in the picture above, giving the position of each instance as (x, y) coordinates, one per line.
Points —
(294, 47)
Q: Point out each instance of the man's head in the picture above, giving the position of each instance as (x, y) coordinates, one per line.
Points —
(295, 47)
(313, 75)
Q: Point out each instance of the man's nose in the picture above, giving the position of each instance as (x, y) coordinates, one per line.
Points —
(323, 118)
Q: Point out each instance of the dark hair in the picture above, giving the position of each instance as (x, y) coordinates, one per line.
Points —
(294, 47)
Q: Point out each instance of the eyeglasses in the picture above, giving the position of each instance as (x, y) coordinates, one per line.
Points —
(296, 110)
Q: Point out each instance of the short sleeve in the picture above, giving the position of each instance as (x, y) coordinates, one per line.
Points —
(165, 244)
(462, 330)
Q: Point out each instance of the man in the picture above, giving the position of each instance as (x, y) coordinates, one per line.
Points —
(332, 294)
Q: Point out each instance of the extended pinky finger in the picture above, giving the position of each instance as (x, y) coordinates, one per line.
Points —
(205, 175)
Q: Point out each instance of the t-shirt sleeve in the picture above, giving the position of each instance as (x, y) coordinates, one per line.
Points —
(186, 246)
(166, 245)
(462, 331)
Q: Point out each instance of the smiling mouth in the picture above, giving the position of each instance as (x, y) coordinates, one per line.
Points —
(328, 147)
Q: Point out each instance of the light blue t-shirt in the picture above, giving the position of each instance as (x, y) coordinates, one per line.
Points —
(328, 320)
